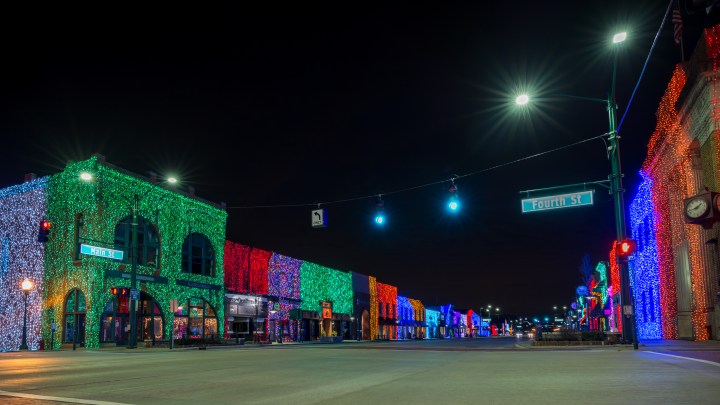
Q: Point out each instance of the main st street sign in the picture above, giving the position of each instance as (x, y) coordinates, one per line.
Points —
(553, 202)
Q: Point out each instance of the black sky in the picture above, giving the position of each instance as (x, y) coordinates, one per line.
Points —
(283, 107)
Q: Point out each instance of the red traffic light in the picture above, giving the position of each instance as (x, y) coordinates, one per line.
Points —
(44, 231)
(626, 247)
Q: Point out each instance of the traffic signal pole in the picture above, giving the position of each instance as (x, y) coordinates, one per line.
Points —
(132, 344)
(616, 189)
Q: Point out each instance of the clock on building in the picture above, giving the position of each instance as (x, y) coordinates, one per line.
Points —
(701, 209)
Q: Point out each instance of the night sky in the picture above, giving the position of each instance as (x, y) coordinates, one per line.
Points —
(276, 110)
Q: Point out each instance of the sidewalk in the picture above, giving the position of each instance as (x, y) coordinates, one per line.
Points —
(649, 345)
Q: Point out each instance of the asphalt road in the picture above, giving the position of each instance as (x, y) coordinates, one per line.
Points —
(479, 371)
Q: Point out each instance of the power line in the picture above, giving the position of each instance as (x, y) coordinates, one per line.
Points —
(642, 73)
(434, 183)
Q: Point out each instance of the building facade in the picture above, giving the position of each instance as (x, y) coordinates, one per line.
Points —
(85, 270)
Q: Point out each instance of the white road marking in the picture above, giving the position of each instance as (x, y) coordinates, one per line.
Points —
(712, 363)
(59, 399)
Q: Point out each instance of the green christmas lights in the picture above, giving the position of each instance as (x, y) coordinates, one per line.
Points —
(90, 210)
(319, 283)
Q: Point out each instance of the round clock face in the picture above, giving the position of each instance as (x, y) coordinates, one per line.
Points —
(696, 208)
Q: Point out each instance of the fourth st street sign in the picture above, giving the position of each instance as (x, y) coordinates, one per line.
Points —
(553, 202)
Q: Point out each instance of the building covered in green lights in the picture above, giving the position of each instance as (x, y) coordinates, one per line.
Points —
(83, 273)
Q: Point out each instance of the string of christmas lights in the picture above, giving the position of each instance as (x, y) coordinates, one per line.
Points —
(645, 279)
(373, 307)
(103, 203)
(22, 207)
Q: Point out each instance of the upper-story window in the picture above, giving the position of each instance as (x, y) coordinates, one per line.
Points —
(148, 242)
(198, 256)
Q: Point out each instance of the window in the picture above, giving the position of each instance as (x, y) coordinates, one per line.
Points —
(195, 319)
(197, 255)
(148, 242)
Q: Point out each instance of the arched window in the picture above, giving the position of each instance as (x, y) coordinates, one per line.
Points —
(74, 317)
(115, 321)
(197, 255)
(148, 242)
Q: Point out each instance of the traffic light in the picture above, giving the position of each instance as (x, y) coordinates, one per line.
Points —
(626, 248)
(380, 211)
(454, 200)
(44, 231)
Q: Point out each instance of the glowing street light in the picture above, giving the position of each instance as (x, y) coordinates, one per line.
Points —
(616, 187)
(26, 285)
(134, 292)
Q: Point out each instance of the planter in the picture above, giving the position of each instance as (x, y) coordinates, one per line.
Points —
(330, 339)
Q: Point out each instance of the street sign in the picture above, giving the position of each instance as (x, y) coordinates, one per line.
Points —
(553, 202)
(134, 294)
(319, 219)
(101, 252)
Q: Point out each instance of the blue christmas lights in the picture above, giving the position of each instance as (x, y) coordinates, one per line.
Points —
(21, 209)
(644, 268)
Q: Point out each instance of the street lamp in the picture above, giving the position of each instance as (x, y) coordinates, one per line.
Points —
(134, 293)
(616, 188)
(26, 285)
(352, 320)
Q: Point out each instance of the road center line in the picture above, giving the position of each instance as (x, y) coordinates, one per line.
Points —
(59, 399)
(712, 363)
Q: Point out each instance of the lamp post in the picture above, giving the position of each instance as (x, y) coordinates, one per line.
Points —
(489, 311)
(27, 285)
(616, 189)
(274, 329)
(134, 293)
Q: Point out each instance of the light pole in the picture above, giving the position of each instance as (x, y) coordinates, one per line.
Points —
(352, 320)
(489, 311)
(275, 327)
(134, 293)
(616, 189)
(27, 285)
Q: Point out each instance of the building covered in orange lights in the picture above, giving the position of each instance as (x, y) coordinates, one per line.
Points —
(675, 269)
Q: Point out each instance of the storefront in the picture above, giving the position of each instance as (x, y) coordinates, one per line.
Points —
(246, 317)
(326, 301)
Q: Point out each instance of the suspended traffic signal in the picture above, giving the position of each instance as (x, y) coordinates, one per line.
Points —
(454, 200)
(44, 231)
(380, 211)
(626, 248)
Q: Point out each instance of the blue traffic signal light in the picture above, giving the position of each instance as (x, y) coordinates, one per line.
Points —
(454, 200)
(380, 211)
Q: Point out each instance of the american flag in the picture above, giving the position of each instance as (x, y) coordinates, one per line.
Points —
(677, 22)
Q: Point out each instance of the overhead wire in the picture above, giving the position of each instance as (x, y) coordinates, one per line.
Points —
(434, 183)
(642, 73)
